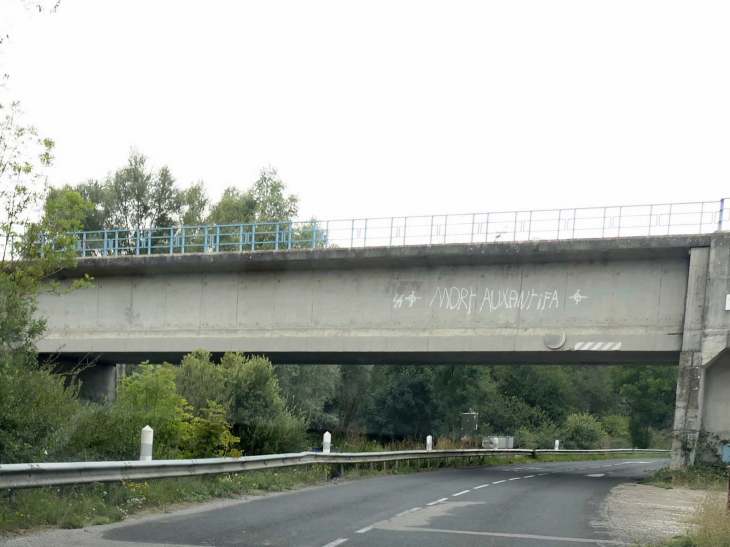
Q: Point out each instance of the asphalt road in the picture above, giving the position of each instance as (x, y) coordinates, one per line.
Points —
(548, 504)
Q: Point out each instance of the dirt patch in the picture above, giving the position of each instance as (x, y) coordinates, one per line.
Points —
(640, 513)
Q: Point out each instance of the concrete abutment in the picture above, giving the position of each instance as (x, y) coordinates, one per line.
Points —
(702, 413)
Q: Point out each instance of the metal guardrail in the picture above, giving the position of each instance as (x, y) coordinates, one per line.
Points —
(35, 475)
(575, 223)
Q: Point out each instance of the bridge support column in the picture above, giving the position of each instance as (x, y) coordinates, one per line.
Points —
(703, 390)
(688, 409)
(99, 383)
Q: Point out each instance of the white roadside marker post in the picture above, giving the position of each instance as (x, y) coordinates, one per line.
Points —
(145, 447)
(429, 443)
(326, 444)
(557, 445)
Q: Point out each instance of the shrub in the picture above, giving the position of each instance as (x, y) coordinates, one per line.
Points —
(615, 424)
(34, 404)
(543, 436)
(211, 437)
(583, 432)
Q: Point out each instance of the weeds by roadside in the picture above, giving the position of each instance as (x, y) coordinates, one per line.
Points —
(701, 476)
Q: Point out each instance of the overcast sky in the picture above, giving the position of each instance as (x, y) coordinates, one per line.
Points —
(371, 108)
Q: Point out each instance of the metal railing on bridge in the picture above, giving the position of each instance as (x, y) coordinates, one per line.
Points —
(553, 224)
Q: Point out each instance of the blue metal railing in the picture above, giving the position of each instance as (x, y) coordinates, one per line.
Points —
(575, 223)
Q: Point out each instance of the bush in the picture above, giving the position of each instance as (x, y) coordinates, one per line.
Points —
(582, 432)
(145, 398)
(248, 391)
(34, 404)
(615, 425)
(543, 436)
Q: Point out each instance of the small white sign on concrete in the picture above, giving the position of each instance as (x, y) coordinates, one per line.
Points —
(727, 303)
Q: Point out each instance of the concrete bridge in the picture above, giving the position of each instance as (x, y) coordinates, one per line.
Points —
(637, 301)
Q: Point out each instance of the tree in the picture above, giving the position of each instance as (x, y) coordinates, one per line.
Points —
(548, 388)
(402, 405)
(234, 207)
(264, 202)
(307, 390)
(457, 388)
(649, 393)
(194, 205)
(352, 395)
(139, 197)
(33, 403)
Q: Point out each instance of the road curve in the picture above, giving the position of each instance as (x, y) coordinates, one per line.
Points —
(533, 505)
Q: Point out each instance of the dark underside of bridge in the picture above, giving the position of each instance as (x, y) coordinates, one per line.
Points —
(638, 358)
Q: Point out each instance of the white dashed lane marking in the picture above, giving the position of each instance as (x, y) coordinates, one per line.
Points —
(481, 486)
(460, 493)
(336, 542)
(498, 482)
(437, 501)
(515, 479)
(408, 511)
(528, 477)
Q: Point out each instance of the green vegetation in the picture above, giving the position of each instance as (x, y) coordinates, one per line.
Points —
(701, 476)
(82, 505)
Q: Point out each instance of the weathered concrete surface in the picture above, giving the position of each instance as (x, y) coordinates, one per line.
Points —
(414, 309)
(703, 391)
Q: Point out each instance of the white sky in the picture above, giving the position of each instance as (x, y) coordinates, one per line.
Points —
(380, 108)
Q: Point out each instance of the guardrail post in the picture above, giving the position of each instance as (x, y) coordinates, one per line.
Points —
(557, 445)
(728, 490)
(145, 449)
(429, 443)
(342, 470)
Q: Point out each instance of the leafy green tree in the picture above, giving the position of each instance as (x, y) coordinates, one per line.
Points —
(548, 388)
(582, 432)
(234, 207)
(352, 395)
(265, 201)
(194, 205)
(32, 402)
(307, 390)
(151, 396)
(200, 381)
(248, 390)
(649, 393)
(458, 388)
(403, 404)
(139, 197)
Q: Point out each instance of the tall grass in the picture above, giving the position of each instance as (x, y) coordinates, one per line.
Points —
(710, 526)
